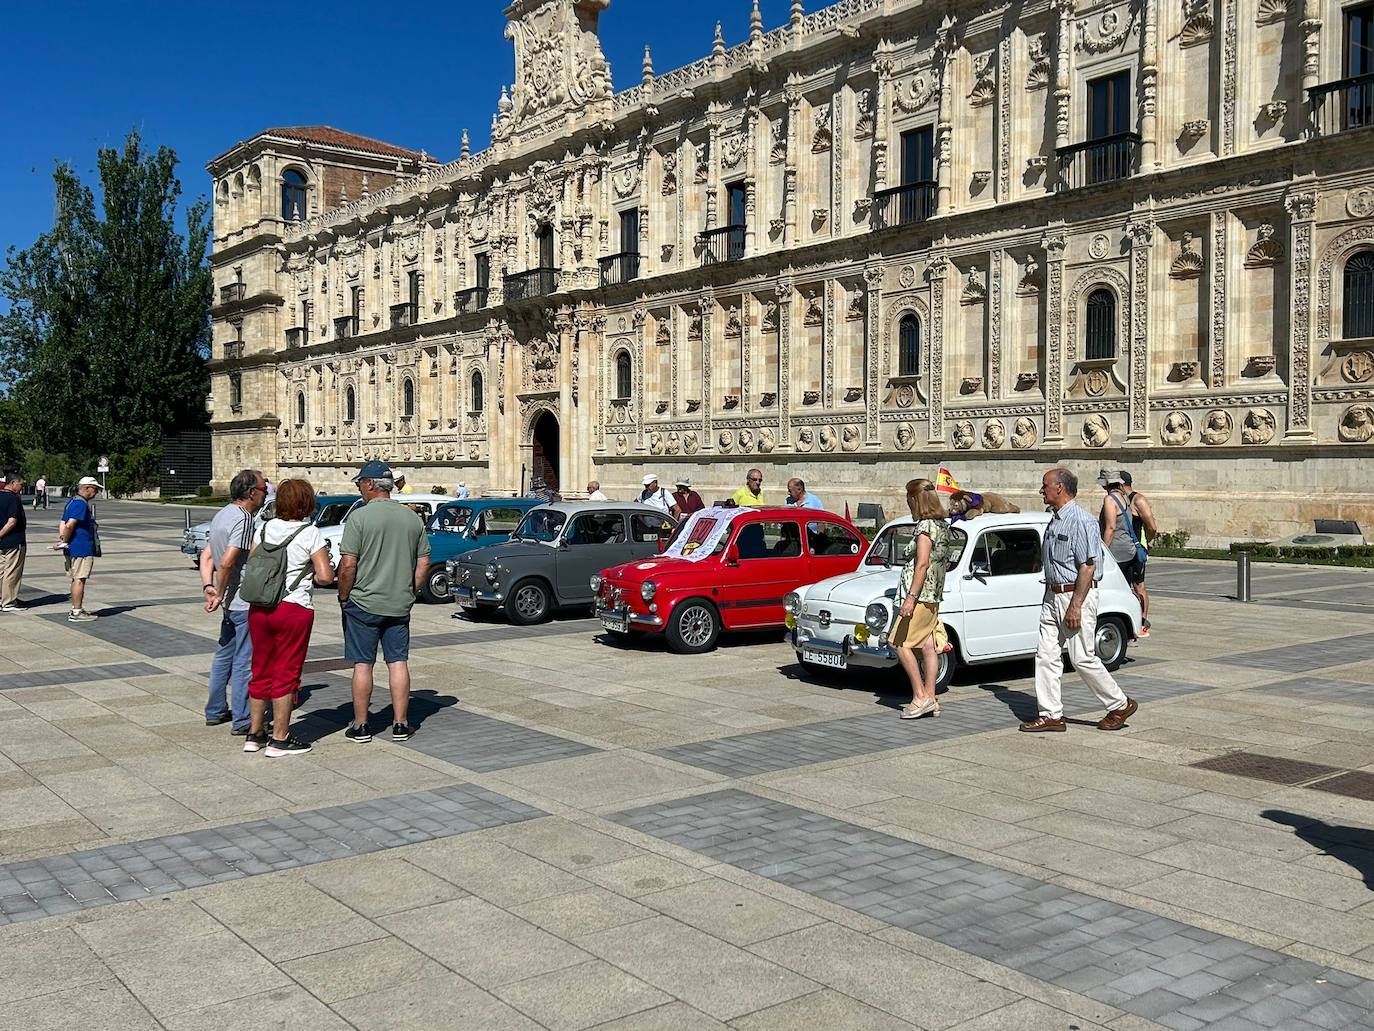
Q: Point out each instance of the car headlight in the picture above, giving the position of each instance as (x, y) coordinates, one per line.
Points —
(596, 583)
(452, 566)
(493, 572)
(875, 616)
(861, 633)
(792, 604)
(647, 590)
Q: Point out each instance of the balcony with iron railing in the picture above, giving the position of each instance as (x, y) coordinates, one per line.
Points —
(404, 315)
(535, 282)
(620, 268)
(475, 298)
(298, 336)
(723, 244)
(904, 205)
(1342, 105)
(232, 292)
(233, 350)
(347, 326)
(1097, 161)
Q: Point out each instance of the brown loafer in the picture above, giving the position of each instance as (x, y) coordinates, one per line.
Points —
(1116, 719)
(1044, 725)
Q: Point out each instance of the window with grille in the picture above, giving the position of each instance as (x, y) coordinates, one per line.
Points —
(350, 405)
(909, 346)
(622, 375)
(1357, 293)
(476, 392)
(300, 409)
(1100, 325)
(407, 399)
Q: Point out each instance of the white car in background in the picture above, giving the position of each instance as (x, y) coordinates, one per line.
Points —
(424, 506)
(991, 606)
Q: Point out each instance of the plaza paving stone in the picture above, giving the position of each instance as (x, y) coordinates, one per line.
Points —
(590, 834)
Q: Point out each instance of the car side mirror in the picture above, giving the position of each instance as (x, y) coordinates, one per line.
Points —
(977, 573)
(562, 542)
(732, 556)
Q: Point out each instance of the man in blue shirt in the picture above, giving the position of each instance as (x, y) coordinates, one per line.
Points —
(799, 497)
(13, 543)
(78, 534)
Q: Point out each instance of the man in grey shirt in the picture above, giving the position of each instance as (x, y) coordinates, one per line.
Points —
(231, 538)
(1068, 615)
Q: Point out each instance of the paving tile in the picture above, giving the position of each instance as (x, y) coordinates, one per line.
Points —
(360, 969)
(582, 912)
(445, 1001)
(581, 996)
(825, 1009)
(142, 636)
(484, 743)
(287, 1007)
(199, 972)
(79, 675)
(99, 1006)
(729, 911)
(676, 1016)
(1304, 656)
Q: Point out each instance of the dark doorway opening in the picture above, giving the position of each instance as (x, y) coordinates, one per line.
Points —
(545, 459)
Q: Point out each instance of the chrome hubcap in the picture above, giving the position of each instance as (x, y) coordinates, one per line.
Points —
(529, 602)
(1108, 641)
(438, 583)
(695, 626)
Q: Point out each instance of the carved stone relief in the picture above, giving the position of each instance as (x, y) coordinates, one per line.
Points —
(1218, 427)
(994, 434)
(963, 436)
(1357, 424)
(1097, 431)
(1258, 427)
(1024, 434)
(1176, 430)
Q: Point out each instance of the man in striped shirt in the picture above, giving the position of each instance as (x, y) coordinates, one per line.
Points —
(231, 538)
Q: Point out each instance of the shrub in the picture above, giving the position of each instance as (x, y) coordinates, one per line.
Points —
(135, 471)
(1173, 540)
(438, 489)
(204, 491)
(61, 470)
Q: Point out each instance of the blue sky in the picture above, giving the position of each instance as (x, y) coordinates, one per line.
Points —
(199, 77)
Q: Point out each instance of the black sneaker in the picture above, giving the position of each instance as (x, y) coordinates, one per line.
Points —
(255, 742)
(402, 732)
(358, 732)
(290, 746)
(215, 721)
(238, 731)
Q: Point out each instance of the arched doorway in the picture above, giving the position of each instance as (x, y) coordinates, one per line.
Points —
(544, 461)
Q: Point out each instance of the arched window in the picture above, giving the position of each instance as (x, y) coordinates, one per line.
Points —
(350, 405)
(1100, 325)
(292, 195)
(300, 409)
(407, 399)
(476, 392)
(909, 346)
(622, 375)
(1357, 293)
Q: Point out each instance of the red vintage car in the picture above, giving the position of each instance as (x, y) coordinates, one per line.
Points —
(725, 569)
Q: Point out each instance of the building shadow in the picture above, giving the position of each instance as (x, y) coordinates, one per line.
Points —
(1353, 846)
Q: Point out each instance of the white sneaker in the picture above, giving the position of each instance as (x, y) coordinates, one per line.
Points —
(9, 608)
(81, 617)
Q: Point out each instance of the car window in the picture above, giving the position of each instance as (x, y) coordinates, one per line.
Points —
(498, 520)
(768, 540)
(649, 528)
(597, 528)
(829, 539)
(540, 524)
(423, 509)
(332, 514)
(1006, 553)
(892, 545)
(353, 508)
(269, 511)
(450, 519)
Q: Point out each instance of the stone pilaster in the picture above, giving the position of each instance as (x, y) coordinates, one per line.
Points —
(1141, 231)
(1149, 84)
(1216, 337)
(794, 101)
(882, 115)
(996, 261)
(707, 301)
(1054, 243)
(1063, 77)
(785, 293)
(1301, 205)
(937, 272)
(873, 350)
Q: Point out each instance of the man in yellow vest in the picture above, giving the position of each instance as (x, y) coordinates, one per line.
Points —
(751, 494)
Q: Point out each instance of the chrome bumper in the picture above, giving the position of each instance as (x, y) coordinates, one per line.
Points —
(631, 617)
(191, 548)
(878, 657)
(471, 595)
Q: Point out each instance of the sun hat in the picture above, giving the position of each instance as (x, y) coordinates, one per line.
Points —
(683, 481)
(88, 481)
(649, 478)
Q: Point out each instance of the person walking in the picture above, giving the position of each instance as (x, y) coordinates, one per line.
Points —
(799, 497)
(79, 535)
(384, 562)
(40, 492)
(14, 543)
(1146, 529)
(1068, 615)
(595, 493)
(656, 497)
(230, 540)
(1121, 536)
(921, 587)
(751, 494)
(281, 633)
(686, 499)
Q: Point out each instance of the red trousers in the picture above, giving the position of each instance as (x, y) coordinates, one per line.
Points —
(280, 639)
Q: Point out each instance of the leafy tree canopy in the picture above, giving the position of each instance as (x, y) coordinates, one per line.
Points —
(106, 340)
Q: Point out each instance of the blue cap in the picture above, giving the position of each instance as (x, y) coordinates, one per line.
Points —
(374, 470)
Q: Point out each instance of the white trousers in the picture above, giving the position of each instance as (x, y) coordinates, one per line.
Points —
(1082, 646)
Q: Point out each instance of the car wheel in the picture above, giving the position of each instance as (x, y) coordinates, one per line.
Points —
(529, 602)
(693, 628)
(1112, 637)
(435, 590)
(945, 665)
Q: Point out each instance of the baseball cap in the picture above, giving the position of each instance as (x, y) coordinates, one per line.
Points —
(1126, 477)
(1106, 477)
(373, 470)
(88, 481)
(649, 478)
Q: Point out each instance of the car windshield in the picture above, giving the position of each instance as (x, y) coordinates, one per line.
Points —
(450, 519)
(540, 524)
(331, 514)
(890, 549)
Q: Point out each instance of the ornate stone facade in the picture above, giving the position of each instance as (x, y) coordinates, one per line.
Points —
(708, 271)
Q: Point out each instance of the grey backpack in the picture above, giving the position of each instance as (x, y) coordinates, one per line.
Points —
(263, 581)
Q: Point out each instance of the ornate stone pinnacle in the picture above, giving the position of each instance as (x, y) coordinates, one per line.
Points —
(755, 22)
(718, 46)
(648, 75)
(796, 12)
(465, 149)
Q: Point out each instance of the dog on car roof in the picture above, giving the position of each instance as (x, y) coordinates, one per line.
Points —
(965, 504)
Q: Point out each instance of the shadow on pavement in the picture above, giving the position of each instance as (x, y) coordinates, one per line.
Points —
(1353, 846)
(314, 724)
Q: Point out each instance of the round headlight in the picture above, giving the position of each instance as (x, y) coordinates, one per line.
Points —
(596, 583)
(647, 590)
(876, 616)
(493, 572)
(792, 603)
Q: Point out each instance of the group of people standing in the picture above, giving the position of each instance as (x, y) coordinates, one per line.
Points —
(78, 537)
(683, 501)
(1071, 555)
(266, 601)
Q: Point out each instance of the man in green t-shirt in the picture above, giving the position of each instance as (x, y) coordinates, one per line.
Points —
(384, 558)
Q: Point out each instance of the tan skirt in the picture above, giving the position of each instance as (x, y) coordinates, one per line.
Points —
(912, 631)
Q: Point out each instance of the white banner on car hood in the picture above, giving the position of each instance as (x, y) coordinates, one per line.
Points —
(704, 530)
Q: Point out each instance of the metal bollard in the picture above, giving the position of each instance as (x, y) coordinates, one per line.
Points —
(1242, 576)
(188, 518)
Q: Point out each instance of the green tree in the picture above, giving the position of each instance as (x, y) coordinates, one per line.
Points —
(106, 340)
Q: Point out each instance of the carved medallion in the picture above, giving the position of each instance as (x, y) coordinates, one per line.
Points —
(1098, 246)
(1259, 426)
(691, 443)
(850, 438)
(746, 440)
(828, 438)
(906, 436)
(994, 434)
(767, 441)
(1177, 429)
(1024, 433)
(655, 443)
(906, 277)
(622, 445)
(1097, 431)
(1357, 424)
(1095, 383)
(906, 395)
(806, 439)
(1217, 428)
(963, 435)
(1360, 202)
(726, 440)
(1358, 367)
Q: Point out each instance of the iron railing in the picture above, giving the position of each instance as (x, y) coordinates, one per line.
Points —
(904, 205)
(1342, 105)
(620, 268)
(1098, 161)
(298, 336)
(347, 326)
(535, 282)
(404, 315)
(465, 302)
(233, 350)
(232, 292)
(723, 244)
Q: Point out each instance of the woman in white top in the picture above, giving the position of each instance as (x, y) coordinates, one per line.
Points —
(281, 633)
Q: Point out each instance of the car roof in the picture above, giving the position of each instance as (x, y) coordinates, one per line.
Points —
(492, 502)
(773, 511)
(334, 499)
(985, 521)
(574, 507)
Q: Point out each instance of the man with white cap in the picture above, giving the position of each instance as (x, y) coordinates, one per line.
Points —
(656, 497)
(79, 536)
(688, 500)
(461, 491)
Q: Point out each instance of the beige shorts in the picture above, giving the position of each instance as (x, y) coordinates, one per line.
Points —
(80, 568)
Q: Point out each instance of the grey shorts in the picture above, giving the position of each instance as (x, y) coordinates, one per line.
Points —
(363, 631)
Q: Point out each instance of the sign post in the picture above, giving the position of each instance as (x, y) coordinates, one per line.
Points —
(102, 468)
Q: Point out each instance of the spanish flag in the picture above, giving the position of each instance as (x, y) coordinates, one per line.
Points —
(945, 482)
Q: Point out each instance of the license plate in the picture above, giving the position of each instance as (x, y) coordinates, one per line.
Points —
(618, 623)
(464, 596)
(830, 659)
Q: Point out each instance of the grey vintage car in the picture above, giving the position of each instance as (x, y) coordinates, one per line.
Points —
(552, 556)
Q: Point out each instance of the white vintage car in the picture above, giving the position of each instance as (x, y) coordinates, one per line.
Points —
(991, 607)
(423, 504)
